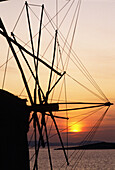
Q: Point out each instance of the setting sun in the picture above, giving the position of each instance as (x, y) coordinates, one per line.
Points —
(76, 128)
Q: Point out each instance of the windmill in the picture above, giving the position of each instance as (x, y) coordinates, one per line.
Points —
(45, 108)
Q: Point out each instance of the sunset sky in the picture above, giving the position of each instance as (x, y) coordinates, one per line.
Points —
(94, 44)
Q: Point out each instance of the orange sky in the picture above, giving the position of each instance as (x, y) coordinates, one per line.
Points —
(94, 44)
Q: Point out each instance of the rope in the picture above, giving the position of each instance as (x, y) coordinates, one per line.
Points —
(6, 62)
(58, 96)
(34, 36)
(86, 140)
(91, 80)
(84, 113)
(105, 98)
(5, 68)
(85, 87)
(83, 67)
(18, 18)
(94, 84)
(77, 8)
(66, 13)
(90, 136)
(85, 72)
(57, 15)
(60, 89)
(82, 64)
(90, 113)
(25, 44)
(51, 19)
(90, 77)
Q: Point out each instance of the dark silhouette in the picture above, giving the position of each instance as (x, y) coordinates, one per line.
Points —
(100, 145)
(14, 116)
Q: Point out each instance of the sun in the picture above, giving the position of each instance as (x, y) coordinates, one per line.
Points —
(76, 128)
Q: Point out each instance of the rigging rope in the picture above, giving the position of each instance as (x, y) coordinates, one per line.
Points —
(5, 68)
(77, 10)
(61, 85)
(85, 87)
(34, 36)
(90, 77)
(90, 136)
(58, 96)
(18, 18)
(86, 73)
(85, 113)
(94, 129)
(89, 90)
(84, 69)
(92, 81)
(66, 74)
(99, 90)
(66, 13)
(86, 140)
(54, 15)
(89, 114)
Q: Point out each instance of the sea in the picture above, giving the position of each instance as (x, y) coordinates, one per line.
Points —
(79, 160)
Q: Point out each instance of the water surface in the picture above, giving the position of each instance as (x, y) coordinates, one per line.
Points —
(91, 160)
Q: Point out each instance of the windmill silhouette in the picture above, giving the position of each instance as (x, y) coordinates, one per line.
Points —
(15, 105)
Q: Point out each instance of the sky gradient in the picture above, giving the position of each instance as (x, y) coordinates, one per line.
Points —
(94, 44)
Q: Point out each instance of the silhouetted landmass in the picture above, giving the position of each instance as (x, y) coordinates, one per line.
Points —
(32, 143)
(100, 145)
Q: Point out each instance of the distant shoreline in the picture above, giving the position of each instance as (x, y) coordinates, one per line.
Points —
(93, 146)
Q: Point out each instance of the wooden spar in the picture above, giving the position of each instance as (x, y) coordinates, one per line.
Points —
(39, 38)
(39, 88)
(36, 64)
(52, 65)
(24, 57)
(81, 108)
(17, 61)
(106, 104)
(48, 92)
(21, 70)
(49, 153)
(30, 31)
(28, 65)
(44, 107)
(17, 44)
(60, 117)
(59, 137)
(55, 106)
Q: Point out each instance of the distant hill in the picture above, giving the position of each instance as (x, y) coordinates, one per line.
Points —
(100, 145)
(32, 143)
